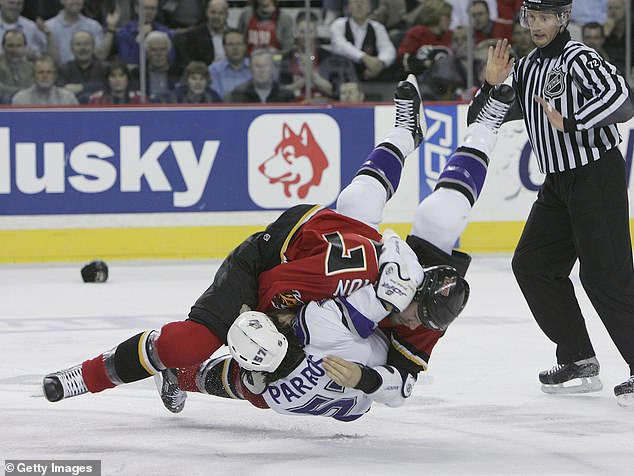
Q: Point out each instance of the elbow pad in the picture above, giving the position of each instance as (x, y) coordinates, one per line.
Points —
(393, 388)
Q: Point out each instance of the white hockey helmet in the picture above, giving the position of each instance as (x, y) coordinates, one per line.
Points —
(255, 343)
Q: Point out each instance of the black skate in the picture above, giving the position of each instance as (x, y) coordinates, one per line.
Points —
(624, 392)
(409, 109)
(172, 396)
(497, 105)
(64, 384)
(581, 376)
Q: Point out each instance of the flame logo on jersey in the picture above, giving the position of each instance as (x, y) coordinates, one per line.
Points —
(287, 299)
(298, 162)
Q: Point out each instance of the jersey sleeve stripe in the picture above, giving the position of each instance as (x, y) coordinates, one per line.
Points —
(307, 216)
(355, 320)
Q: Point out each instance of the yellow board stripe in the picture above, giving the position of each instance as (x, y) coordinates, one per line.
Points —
(32, 246)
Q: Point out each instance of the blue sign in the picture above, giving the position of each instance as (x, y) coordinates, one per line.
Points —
(172, 160)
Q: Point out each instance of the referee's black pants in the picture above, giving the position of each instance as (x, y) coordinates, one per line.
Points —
(580, 214)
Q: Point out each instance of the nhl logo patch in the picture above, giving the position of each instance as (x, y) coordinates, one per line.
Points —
(554, 84)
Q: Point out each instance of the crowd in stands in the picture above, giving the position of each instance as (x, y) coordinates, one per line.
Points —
(67, 52)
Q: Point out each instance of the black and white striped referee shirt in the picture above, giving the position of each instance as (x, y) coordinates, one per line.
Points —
(588, 91)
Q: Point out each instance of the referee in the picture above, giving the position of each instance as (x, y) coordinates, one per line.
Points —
(571, 100)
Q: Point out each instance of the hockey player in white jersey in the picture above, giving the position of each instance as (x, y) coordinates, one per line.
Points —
(329, 358)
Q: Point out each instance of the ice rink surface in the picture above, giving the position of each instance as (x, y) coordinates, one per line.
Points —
(477, 411)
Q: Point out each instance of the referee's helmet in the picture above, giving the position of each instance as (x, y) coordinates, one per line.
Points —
(561, 8)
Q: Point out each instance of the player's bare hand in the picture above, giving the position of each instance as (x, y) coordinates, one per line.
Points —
(499, 62)
(554, 116)
(343, 372)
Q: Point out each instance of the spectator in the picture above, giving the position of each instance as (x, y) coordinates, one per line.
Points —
(363, 41)
(16, 70)
(194, 87)
(391, 14)
(128, 37)
(36, 40)
(327, 70)
(614, 28)
(593, 36)
(234, 69)
(66, 23)
(484, 27)
(351, 92)
(204, 42)
(265, 25)
(161, 77)
(117, 89)
(263, 88)
(522, 42)
(83, 75)
(433, 32)
(182, 14)
(44, 92)
(586, 11)
(333, 9)
(44, 9)
(99, 10)
(460, 12)
(508, 11)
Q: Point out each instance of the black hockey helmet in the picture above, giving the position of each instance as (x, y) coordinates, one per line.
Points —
(441, 297)
(95, 272)
(561, 8)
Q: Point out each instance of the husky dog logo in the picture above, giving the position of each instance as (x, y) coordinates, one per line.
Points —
(554, 84)
(298, 162)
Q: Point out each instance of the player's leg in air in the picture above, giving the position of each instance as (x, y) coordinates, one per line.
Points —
(442, 216)
(378, 178)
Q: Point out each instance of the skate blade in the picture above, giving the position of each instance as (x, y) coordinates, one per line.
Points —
(625, 400)
(574, 386)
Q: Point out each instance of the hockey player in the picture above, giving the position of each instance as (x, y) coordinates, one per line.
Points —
(336, 247)
(288, 358)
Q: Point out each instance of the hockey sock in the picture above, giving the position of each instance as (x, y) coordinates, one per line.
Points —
(132, 360)
(384, 164)
(441, 218)
(481, 138)
(465, 172)
(185, 344)
(179, 344)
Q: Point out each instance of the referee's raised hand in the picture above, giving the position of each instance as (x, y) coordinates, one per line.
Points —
(499, 62)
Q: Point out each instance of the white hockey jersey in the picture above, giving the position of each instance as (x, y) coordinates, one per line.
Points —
(337, 327)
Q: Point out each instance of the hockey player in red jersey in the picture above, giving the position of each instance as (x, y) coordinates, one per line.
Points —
(185, 344)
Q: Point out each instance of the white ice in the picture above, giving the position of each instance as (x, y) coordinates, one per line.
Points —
(477, 411)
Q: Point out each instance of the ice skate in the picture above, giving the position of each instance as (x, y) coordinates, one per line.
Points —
(497, 105)
(624, 393)
(172, 396)
(64, 384)
(409, 109)
(581, 376)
